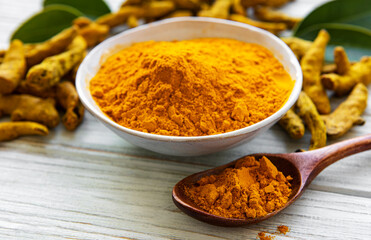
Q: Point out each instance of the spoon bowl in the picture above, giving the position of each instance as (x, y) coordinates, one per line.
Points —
(303, 167)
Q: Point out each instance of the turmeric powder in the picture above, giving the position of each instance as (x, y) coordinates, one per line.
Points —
(265, 236)
(192, 87)
(283, 229)
(251, 189)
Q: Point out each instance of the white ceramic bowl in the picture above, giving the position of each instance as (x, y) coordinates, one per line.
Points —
(181, 29)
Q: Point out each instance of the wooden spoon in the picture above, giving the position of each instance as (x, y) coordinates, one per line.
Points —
(302, 166)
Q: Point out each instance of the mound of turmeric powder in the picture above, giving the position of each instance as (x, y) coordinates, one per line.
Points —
(249, 190)
(192, 87)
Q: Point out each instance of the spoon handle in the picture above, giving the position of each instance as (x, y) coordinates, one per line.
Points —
(311, 163)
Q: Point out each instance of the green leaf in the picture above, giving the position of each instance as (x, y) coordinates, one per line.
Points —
(354, 12)
(355, 40)
(46, 24)
(90, 8)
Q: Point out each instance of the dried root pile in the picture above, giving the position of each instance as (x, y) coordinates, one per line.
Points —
(38, 79)
(35, 80)
(342, 77)
(132, 12)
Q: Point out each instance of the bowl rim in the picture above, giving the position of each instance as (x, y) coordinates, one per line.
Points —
(84, 92)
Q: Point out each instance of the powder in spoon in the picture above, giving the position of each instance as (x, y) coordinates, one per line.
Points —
(192, 87)
(250, 189)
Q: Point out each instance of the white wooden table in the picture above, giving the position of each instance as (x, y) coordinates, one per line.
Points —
(91, 184)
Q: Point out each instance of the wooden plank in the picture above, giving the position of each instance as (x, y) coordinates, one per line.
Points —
(349, 176)
(83, 194)
(91, 184)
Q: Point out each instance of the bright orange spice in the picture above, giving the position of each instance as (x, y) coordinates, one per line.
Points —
(250, 189)
(192, 87)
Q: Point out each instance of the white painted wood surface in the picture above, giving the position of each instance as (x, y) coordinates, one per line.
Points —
(90, 184)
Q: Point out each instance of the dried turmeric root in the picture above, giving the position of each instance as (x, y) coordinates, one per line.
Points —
(72, 74)
(81, 22)
(348, 74)
(276, 3)
(13, 130)
(348, 113)
(341, 61)
(328, 68)
(25, 107)
(297, 45)
(23, 88)
(156, 9)
(2, 55)
(119, 17)
(188, 4)
(67, 97)
(178, 13)
(252, 3)
(45, 75)
(53, 46)
(28, 47)
(92, 32)
(293, 124)
(153, 9)
(271, 27)
(311, 65)
(238, 8)
(132, 21)
(268, 14)
(219, 9)
(308, 112)
(13, 68)
(271, 3)
(132, 2)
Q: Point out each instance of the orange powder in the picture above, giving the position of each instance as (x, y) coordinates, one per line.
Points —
(250, 189)
(265, 236)
(192, 87)
(283, 229)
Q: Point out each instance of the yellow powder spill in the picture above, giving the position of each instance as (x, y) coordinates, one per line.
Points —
(283, 229)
